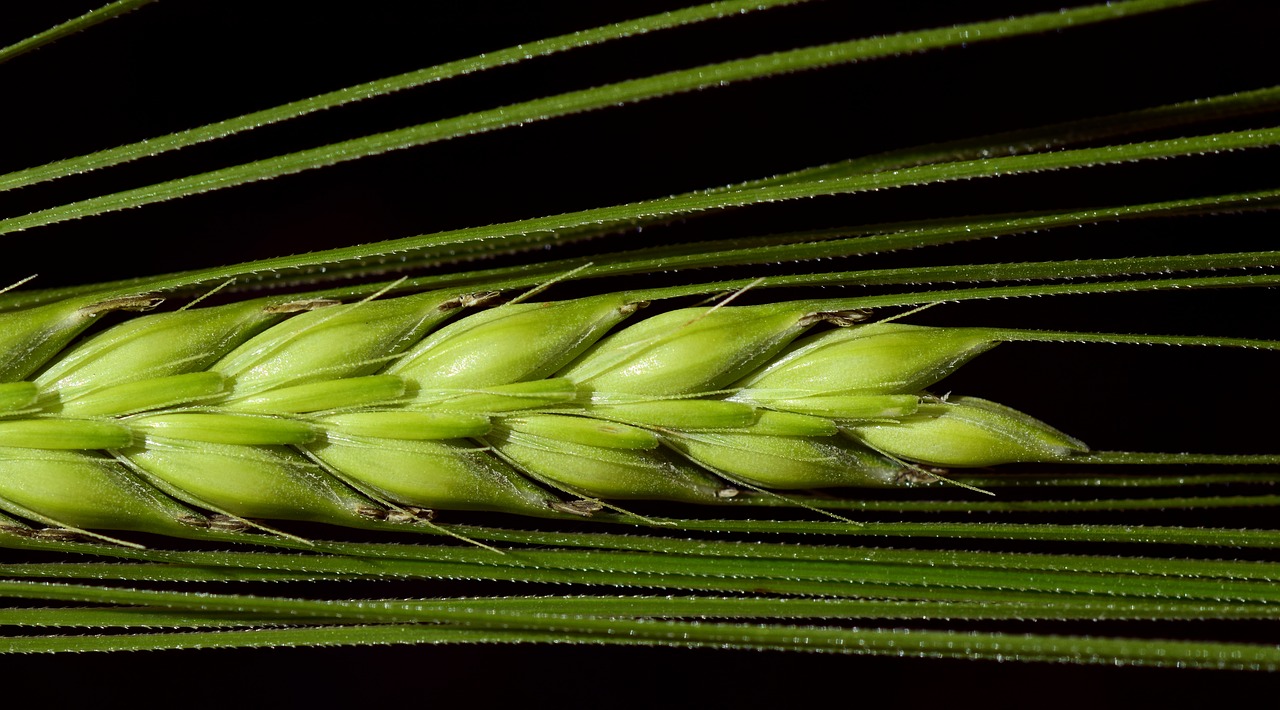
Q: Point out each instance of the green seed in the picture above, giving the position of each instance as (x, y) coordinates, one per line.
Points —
(601, 471)
(512, 343)
(588, 432)
(132, 397)
(157, 345)
(87, 491)
(877, 358)
(30, 337)
(790, 424)
(65, 434)
(322, 396)
(333, 342)
(841, 406)
(248, 481)
(406, 425)
(498, 399)
(967, 431)
(687, 351)
(786, 462)
(433, 474)
(688, 414)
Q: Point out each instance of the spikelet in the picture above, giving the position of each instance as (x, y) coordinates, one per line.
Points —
(686, 351)
(510, 343)
(348, 413)
(600, 459)
(79, 490)
(890, 357)
(967, 431)
(29, 338)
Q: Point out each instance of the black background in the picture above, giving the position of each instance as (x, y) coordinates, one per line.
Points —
(180, 64)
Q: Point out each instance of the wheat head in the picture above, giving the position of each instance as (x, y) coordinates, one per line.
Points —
(315, 410)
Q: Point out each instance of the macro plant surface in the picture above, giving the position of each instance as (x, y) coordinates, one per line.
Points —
(1021, 157)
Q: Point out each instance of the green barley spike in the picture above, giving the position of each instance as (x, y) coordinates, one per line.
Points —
(353, 413)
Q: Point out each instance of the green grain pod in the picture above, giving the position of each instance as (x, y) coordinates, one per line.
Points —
(511, 343)
(87, 491)
(967, 431)
(62, 433)
(341, 393)
(139, 396)
(687, 351)
(843, 407)
(589, 432)
(405, 425)
(30, 337)
(453, 475)
(600, 471)
(157, 345)
(878, 358)
(787, 462)
(248, 481)
(333, 342)
(497, 399)
(790, 424)
(688, 414)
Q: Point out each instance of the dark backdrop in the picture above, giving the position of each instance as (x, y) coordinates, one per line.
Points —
(180, 64)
